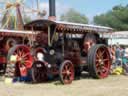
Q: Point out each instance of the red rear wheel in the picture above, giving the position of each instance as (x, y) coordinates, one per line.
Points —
(21, 56)
(99, 61)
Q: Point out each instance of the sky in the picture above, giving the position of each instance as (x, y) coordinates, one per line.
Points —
(93, 7)
(89, 8)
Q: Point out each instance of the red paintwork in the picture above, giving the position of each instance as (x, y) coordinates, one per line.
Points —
(102, 62)
(24, 58)
(2, 60)
(2, 56)
(67, 72)
(23, 70)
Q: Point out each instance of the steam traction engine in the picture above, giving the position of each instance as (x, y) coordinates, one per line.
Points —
(50, 48)
(67, 49)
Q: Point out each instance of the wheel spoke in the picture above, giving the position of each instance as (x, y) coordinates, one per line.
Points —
(105, 60)
(104, 69)
(19, 53)
(64, 72)
(26, 54)
(70, 71)
(69, 66)
(97, 60)
(26, 58)
(97, 55)
(102, 53)
(27, 61)
(66, 67)
(97, 64)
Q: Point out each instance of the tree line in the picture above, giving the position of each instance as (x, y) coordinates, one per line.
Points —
(116, 18)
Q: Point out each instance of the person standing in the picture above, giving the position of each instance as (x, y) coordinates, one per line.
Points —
(125, 61)
(118, 56)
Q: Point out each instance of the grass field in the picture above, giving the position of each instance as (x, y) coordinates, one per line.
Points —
(111, 86)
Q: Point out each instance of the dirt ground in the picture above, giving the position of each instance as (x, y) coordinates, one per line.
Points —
(111, 86)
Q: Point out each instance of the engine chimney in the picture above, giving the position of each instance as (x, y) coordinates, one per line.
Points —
(52, 10)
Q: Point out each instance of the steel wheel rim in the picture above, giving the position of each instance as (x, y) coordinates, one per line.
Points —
(68, 73)
(102, 62)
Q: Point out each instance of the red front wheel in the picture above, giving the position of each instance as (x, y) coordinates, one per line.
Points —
(66, 72)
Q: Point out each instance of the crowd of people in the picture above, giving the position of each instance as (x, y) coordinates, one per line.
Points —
(119, 55)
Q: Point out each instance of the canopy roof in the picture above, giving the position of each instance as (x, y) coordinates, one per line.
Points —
(60, 26)
(117, 35)
(5, 32)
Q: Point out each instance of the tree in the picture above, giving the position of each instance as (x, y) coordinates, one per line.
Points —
(74, 16)
(116, 18)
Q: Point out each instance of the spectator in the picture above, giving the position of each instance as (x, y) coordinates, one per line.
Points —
(125, 61)
(118, 56)
(113, 49)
